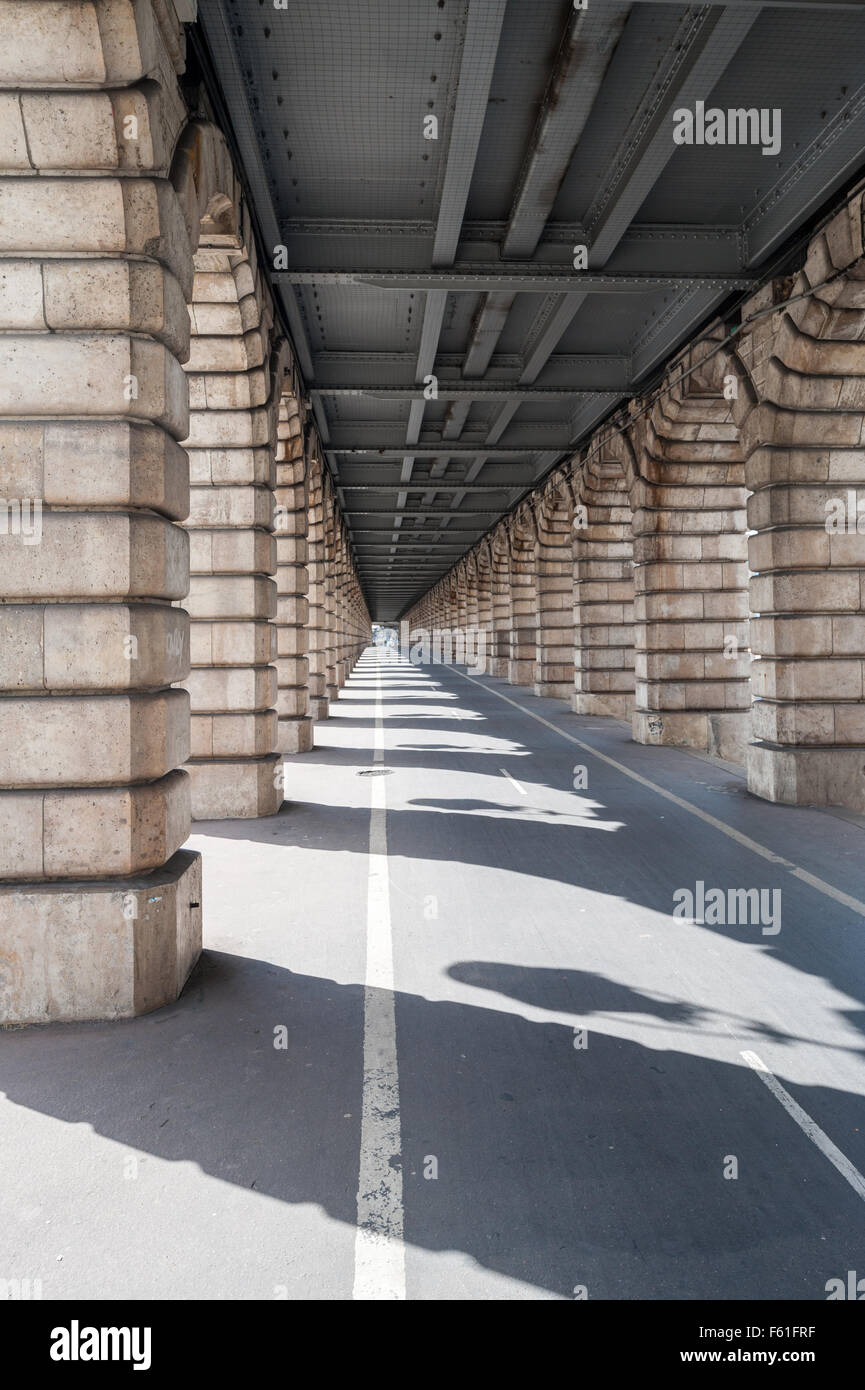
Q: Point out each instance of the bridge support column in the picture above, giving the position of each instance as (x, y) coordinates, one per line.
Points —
(522, 665)
(331, 687)
(317, 631)
(292, 608)
(603, 591)
(234, 763)
(803, 428)
(502, 604)
(100, 908)
(688, 499)
(484, 608)
(554, 565)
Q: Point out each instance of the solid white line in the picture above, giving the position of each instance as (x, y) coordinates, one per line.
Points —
(819, 884)
(379, 1252)
(808, 1126)
(522, 791)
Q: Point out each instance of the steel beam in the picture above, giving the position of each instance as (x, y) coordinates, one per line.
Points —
(474, 277)
(460, 391)
(424, 512)
(709, 36)
(523, 452)
(434, 485)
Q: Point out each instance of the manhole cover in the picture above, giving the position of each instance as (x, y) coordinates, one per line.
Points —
(375, 771)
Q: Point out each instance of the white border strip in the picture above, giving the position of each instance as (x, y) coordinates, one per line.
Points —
(809, 1127)
(379, 1252)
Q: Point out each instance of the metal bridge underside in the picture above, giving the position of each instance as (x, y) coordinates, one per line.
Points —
(451, 350)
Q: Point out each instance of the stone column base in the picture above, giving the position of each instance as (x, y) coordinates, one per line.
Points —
(318, 709)
(236, 790)
(616, 705)
(808, 776)
(498, 666)
(521, 672)
(554, 690)
(113, 949)
(295, 735)
(724, 734)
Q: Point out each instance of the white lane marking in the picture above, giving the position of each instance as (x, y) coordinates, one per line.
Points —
(379, 1252)
(819, 884)
(514, 783)
(809, 1127)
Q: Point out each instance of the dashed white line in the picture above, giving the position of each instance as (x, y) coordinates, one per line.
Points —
(513, 781)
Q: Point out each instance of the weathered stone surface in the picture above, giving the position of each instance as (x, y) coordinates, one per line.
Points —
(79, 950)
(240, 789)
(68, 741)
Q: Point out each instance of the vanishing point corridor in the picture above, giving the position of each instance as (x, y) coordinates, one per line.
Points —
(432, 672)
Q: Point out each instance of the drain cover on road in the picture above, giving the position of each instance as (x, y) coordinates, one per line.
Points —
(374, 771)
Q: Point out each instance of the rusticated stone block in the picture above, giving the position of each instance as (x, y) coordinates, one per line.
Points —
(241, 789)
(97, 832)
(73, 740)
(98, 555)
(112, 949)
(112, 463)
(72, 646)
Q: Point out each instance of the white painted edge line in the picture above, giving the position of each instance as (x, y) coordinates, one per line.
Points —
(809, 1127)
(812, 880)
(513, 781)
(379, 1251)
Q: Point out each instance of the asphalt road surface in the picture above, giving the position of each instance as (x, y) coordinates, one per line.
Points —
(449, 1040)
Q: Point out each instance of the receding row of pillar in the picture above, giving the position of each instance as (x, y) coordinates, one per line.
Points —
(165, 513)
(699, 566)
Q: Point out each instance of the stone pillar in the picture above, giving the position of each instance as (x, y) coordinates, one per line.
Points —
(363, 630)
(800, 410)
(316, 631)
(484, 606)
(502, 603)
(100, 908)
(292, 609)
(522, 666)
(554, 567)
(330, 683)
(460, 604)
(342, 602)
(603, 590)
(690, 549)
(234, 762)
(471, 581)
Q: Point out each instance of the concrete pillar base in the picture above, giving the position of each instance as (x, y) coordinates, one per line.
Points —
(236, 790)
(295, 735)
(498, 666)
(808, 776)
(706, 731)
(554, 690)
(614, 706)
(521, 672)
(113, 949)
(318, 709)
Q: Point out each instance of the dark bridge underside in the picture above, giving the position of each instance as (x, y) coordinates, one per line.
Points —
(407, 258)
